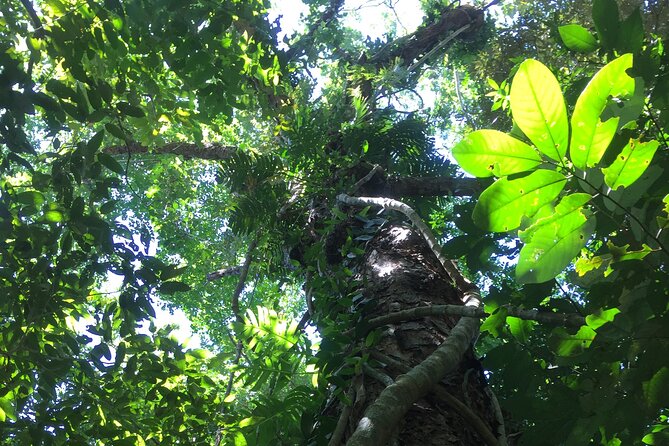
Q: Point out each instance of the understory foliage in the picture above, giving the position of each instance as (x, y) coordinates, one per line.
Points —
(175, 154)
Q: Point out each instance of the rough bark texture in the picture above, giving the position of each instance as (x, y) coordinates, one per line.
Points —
(427, 37)
(401, 272)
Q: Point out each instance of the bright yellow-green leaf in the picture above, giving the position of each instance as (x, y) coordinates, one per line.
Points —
(630, 164)
(502, 205)
(247, 422)
(53, 216)
(484, 153)
(30, 197)
(577, 38)
(538, 108)
(239, 439)
(520, 328)
(589, 135)
(601, 317)
(554, 241)
(568, 204)
(7, 408)
(495, 322)
(566, 344)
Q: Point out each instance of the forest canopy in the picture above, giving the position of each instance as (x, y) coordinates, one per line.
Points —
(450, 235)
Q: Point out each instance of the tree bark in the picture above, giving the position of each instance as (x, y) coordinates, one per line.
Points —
(399, 272)
(209, 151)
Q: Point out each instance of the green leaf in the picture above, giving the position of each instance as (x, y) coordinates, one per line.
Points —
(577, 38)
(53, 216)
(520, 328)
(60, 89)
(502, 205)
(539, 110)
(31, 197)
(656, 389)
(601, 317)
(630, 164)
(93, 144)
(484, 153)
(495, 322)
(173, 287)
(630, 37)
(553, 241)
(110, 163)
(566, 344)
(590, 137)
(115, 131)
(607, 22)
(130, 110)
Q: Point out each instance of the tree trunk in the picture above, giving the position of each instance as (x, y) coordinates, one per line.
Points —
(399, 272)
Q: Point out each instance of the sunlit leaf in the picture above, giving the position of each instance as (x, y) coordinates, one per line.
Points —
(494, 323)
(630, 164)
(539, 110)
(577, 38)
(601, 317)
(566, 344)
(485, 153)
(552, 242)
(590, 137)
(520, 328)
(502, 205)
(31, 197)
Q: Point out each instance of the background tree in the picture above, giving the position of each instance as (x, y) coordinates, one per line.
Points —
(129, 125)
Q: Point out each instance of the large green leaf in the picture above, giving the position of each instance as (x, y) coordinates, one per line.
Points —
(590, 137)
(538, 108)
(566, 344)
(485, 153)
(630, 164)
(553, 241)
(577, 38)
(502, 205)
(607, 21)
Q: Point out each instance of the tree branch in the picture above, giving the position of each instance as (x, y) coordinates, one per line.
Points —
(566, 319)
(34, 18)
(224, 272)
(431, 186)
(209, 151)
(243, 273)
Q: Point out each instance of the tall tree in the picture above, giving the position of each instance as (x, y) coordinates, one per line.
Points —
(298, 223)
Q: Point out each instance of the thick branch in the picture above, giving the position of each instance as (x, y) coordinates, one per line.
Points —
(34, 18)
(431, 186)
(426, 38)
(225, 272)
(210, 151)
(567, 319)
(241, 283)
